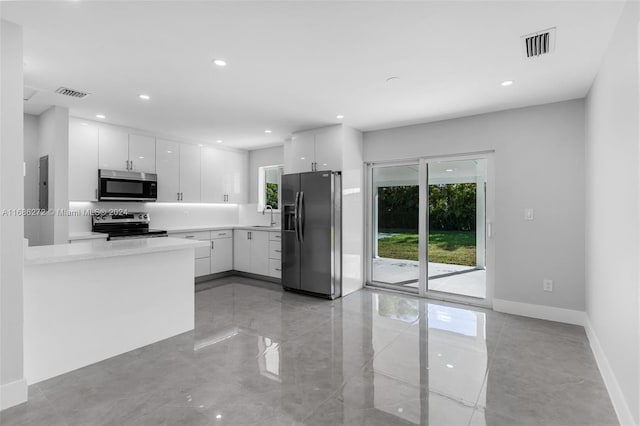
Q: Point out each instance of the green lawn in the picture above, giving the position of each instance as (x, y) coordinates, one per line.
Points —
(456, 247)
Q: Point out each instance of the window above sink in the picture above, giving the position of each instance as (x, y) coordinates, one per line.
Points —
(269, 179)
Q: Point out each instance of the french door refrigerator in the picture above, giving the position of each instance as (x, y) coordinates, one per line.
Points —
(311, 233)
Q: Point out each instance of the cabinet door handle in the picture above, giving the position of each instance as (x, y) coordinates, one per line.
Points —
(189, 236)
(278, 251)
(96, 193)
(249, 235)
(178, 196)
(222, 233)
(278, 269)
(131, 165)
(211, 244)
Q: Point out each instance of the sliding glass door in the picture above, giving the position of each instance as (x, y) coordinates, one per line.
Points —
(428, 227)
(395, 217)
(456, 222)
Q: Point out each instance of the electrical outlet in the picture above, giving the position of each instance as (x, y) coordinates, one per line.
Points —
(528, 213)
(547, 285)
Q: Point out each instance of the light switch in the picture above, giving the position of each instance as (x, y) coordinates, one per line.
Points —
(528, 213)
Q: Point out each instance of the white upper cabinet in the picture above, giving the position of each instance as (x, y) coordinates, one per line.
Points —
(303, 153)
(142, 153)
(119, 150)
(113, 149)
(190, 173)
(236, 176)
(328, 149)
(83, 161)
(168, 170)
(223, 176)
(212, 176)
(317, 149)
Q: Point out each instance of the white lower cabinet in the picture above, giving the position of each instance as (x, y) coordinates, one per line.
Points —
(203, 266)
(275, 255)
(254, 252)
(217, 257)
(221, 251)
(251, 251)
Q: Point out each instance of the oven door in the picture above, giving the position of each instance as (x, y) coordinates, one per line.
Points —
(117, 185)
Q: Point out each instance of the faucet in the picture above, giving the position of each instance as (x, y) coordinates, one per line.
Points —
(271, 223)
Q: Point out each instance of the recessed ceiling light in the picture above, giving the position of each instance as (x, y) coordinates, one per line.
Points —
(302, 158)
(219, 141)
(449, 366)
(169, 152)
(220, 62)
(392, 79)
(144, 97)
(267, 131)
(507, 83)
(218, 416)
(449, 170)
(339, 117)
(100, 116)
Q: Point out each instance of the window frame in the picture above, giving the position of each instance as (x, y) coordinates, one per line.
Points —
(262, 186)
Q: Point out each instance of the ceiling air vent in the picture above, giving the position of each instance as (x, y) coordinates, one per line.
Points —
(70, 92)
(539, 43)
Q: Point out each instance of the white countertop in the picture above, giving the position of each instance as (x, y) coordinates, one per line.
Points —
(96, 249)
(87, 236)
(196, 228)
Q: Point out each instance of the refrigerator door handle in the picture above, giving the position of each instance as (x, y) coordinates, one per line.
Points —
(301, 216)
(296, 213)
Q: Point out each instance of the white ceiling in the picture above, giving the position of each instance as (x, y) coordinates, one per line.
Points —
(296, 65)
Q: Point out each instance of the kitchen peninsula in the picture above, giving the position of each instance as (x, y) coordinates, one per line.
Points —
(89, 301)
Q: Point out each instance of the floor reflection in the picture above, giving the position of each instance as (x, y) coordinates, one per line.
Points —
(441, 358)
(261, 356)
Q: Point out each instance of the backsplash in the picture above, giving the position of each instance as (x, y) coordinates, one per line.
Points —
(163, 215)
(248, 214)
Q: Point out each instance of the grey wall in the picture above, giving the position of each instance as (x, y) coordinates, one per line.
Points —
(539, 163)
(258, 158)
(12, 385)
(612, 228)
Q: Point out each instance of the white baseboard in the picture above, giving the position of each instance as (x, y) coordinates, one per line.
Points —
(13, 393)
(549, 313)
(615, 393)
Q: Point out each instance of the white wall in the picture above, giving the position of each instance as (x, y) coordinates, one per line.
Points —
(13, 389)
(31, 223)
(539, 163)
(612, 216)
(259, 158)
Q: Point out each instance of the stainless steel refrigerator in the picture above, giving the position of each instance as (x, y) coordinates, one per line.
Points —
(311, 233)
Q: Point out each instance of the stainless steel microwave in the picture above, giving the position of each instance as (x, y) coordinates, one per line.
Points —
(118, 185)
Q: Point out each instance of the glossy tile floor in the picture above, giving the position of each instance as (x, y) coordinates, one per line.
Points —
(261, 356)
